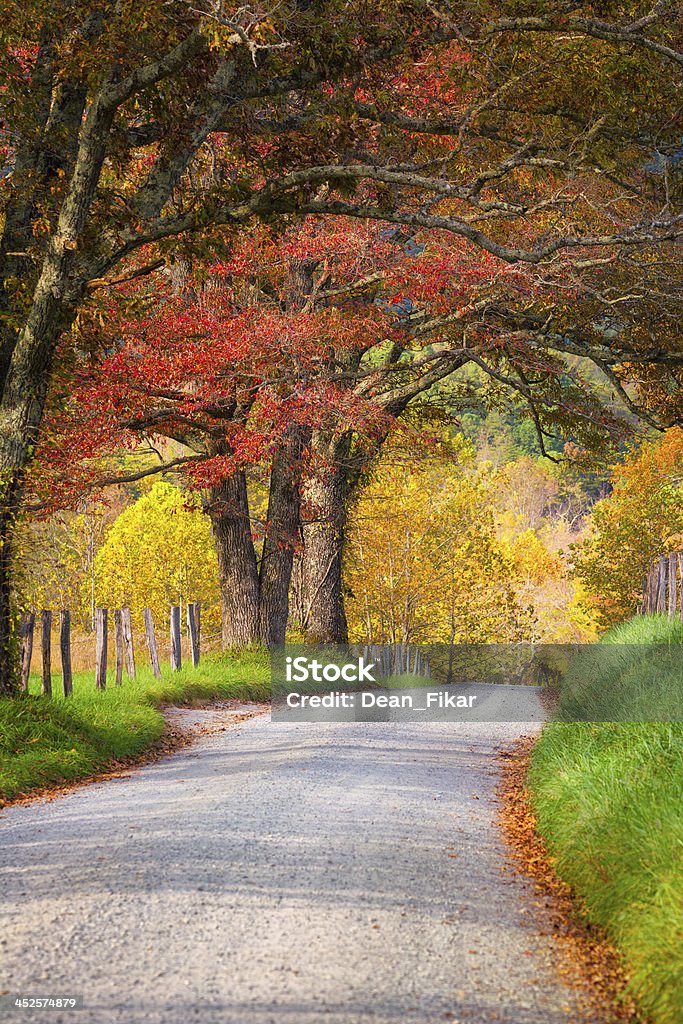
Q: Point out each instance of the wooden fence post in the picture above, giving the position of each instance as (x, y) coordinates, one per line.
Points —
(653, 580)
(118, 638)
(661, 585)
(647, 588)
(176, 656)
(28, 621)
(193, 629)
(101, 636)
(151, 642)
(65, 651)
(46, 630)
(128, 643)
(673, 585)
(198, 624)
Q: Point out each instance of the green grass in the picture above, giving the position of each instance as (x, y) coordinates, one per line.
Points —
(47, 741)
(634, 675)
(609, 800)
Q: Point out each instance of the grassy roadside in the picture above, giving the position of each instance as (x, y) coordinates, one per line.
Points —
(46, 741)
(609, 802)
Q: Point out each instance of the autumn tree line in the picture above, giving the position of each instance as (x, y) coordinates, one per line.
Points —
(275, 235)
(439, 544)
(473, 539)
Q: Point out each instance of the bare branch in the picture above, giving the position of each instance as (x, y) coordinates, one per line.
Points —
(615, 33)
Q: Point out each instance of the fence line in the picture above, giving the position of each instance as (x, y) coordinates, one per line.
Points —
(663, 587)
(123, 641)
(176, 649)
(128, 642)
(118, 645)
(151, 639)
(101, 637)
(26, 628)
(193, 628)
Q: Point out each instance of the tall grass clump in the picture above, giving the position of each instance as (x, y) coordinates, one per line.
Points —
(609, 801)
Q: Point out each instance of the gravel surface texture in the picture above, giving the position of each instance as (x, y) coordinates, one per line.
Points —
(292, 874)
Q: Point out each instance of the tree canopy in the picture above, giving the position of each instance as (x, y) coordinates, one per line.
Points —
(137, 135)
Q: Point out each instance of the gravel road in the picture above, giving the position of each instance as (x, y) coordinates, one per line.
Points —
(295, 874)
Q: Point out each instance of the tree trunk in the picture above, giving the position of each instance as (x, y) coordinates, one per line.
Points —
(283, 535)
(324, 501)
(26, 361)
(237, 567)
(21, 409)
(9, 668)
(20, 414)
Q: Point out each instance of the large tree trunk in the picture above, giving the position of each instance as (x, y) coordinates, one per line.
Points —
(324, 499)
(254, 600)
(283, 537)
(9, 669)
(327, 493)
(26, 359)
(21, 410)
(20, 414)
(237, 568)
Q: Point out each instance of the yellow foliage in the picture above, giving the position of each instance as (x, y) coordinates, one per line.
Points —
(641, 519)
(54, 561)
(159, 552)
(423, 562)
(581, 616)
(532, 561)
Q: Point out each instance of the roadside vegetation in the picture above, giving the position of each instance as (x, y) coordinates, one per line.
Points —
(608, 799)
(640, 519)
(49, 741)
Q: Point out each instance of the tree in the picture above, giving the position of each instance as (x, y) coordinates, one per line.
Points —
(541, 580)
(423, 563)
(106, 112)
(55, 560)
(641, 519)
(298, 351)
(130, 127)
(159, 552)
(238, 372)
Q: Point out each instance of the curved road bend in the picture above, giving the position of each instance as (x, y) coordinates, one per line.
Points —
(281, 874)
